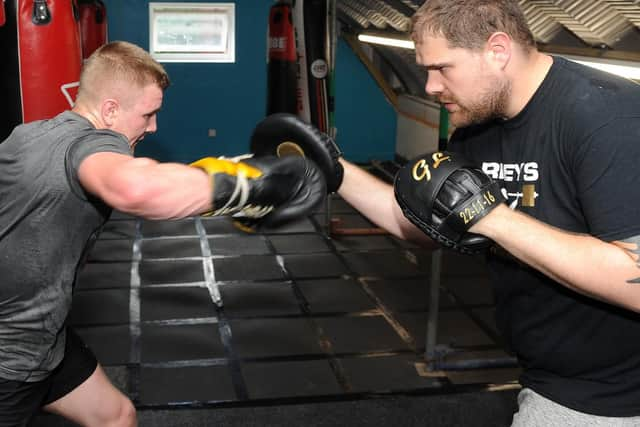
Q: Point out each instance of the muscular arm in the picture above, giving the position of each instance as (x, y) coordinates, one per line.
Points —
(606, 271)
(375, 200)
(144, 187)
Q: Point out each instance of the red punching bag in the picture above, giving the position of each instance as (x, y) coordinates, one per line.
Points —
(93, 25)
(40, 60)
(281, 60)
(3, 17)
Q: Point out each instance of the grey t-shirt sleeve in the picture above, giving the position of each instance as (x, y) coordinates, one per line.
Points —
(94, 142)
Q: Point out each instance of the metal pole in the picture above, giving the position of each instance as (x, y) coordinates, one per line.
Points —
(436, 264)
(434, 303)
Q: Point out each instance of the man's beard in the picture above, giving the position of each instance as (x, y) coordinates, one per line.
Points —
(489, 105)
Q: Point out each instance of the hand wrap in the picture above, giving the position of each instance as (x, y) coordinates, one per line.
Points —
(265, 190)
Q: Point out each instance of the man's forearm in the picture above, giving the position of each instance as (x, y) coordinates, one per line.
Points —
(374, 199)
(578, 261)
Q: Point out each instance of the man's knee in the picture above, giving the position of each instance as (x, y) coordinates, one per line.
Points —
(123, 414)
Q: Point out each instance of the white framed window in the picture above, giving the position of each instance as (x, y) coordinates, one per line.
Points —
(192, 32)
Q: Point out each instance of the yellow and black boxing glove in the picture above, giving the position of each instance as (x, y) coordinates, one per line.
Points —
(264, 190)
(284, 134)
(443, 194)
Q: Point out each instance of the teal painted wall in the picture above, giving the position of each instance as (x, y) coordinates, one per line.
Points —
(365, 121)
(231, 98)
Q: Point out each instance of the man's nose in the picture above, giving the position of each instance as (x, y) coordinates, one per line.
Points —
(434, 84)
(153, 125)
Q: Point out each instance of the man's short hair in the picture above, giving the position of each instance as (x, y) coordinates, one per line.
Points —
(121, 61)
(468, 24)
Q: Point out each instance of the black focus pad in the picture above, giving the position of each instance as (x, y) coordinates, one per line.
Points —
(444, 194)
(283, 134)
(305, 198)
(303, 195)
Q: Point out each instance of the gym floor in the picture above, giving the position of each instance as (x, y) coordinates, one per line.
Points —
(197, 315)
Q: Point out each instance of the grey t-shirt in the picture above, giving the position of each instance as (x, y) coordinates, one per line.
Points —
(47, 223)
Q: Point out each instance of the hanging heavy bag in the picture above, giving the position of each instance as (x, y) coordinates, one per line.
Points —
(41, 57)
(93, 25)
(281, 60)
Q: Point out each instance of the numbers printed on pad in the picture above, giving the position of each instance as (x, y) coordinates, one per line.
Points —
(477, 206)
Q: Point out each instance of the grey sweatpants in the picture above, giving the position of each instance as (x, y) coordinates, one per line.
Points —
(537, 411)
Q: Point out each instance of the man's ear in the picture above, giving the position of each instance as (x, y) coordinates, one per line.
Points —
(498, 49)
(110, 109)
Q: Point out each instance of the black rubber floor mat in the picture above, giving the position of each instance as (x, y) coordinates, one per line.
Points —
(404, 243)
(250, 267)
(255, 338)
(474, 265)
(347, 220)
(303, 314)
(118, 375)
(385, 373)
(219, 225)
(416, 325)
(335, 295)
(469, 290)
(165, 343)
(184, 385)
(304, 225)
(174, 271)
(167, 303)
(405, 294)
(299, 244)
(178, 247)
(455, 329)
(104, 275)
(182, 227)
(109, 250)
(111, 344)
(361, 334)
(100, 307)
(314, 265)
(291, 378)
(382, 264)
(453, 264)
(252, 299)
(240, 244)
(362, 243)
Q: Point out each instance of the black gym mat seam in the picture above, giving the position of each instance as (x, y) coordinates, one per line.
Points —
(224, 329)
(322, 340)
(134, 317)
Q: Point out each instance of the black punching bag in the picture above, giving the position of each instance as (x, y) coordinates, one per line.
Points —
(281, 60)
(311, 22)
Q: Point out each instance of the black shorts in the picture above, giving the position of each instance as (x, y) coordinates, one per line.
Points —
(20, 401)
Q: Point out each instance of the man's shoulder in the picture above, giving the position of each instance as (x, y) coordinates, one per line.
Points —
(586, 86)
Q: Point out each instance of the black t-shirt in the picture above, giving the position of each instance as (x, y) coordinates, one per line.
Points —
(571, 159)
